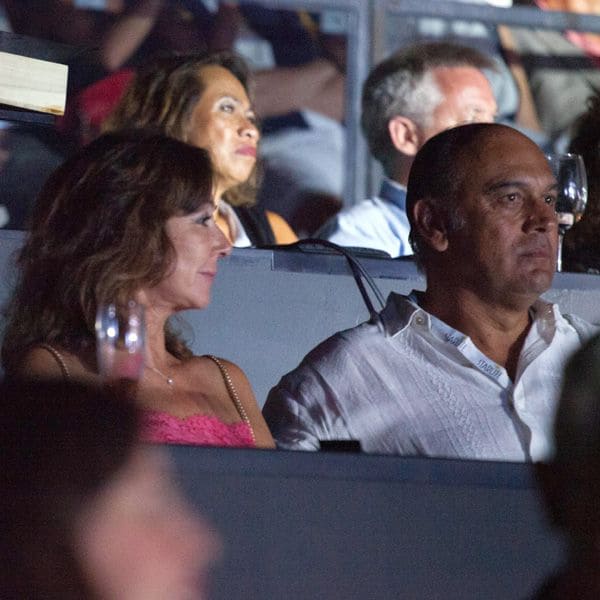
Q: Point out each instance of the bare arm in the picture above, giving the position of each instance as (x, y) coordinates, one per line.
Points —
(527, 114)
(317, 85)
(39, 363)
(130, 30)
(284, 234)
(225, 26)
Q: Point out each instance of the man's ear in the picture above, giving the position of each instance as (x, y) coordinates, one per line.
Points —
(430, 225)
(405, 135)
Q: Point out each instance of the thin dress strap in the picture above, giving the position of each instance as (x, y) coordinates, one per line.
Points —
(58, 357)
(233, 393)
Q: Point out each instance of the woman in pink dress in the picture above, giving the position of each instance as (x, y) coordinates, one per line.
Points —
(131, 217)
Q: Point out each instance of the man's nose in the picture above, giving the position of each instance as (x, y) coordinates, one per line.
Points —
(542, 215)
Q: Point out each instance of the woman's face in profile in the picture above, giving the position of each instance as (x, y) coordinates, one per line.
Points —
(198, 244)
(223, 122)
(139, 539)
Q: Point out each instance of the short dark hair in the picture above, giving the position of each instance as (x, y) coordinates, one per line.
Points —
(61, 443)
(395, 87)
(98, 235)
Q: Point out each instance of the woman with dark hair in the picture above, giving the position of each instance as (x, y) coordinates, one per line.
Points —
(123, 220)
(88, 512)
(204, 100)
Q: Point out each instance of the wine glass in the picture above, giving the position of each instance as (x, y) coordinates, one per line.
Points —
(571, 177)
(120, 339)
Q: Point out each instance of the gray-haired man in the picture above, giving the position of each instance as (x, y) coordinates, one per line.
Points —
(408, 98)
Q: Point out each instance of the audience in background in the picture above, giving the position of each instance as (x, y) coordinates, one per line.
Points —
(561, 68)
(122, 33)
(303, 131)
(408, 98)
(131, 218)
(508, 79)
(470, 368)
(28, 155)
(581, 246)
(570, 481)
(203, 100)
(87, 511)
(300, 92)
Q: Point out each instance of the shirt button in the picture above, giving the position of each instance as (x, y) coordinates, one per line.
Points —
(420, 320)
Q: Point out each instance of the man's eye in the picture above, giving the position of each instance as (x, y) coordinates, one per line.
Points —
(550, 200)
(228, 108)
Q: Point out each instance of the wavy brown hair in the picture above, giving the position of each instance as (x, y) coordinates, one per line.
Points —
(163, 95)
(98, 235)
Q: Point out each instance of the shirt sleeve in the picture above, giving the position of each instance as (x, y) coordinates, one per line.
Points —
(303, 409)
(289, 421)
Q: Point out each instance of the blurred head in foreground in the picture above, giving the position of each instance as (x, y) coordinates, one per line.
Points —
(571, 480)
(87, 511)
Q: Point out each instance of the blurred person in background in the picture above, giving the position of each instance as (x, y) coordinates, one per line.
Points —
(561, 68)
(87, 511)
(203, 100)
(581, 248)
(408, 98)
(299, 94)
(570, 480)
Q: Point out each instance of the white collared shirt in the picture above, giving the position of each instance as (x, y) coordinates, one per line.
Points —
(411, 385)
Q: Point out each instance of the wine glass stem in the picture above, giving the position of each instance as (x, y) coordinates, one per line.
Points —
(559, 256)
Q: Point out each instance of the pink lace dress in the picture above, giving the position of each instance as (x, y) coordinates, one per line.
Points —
(200, 430)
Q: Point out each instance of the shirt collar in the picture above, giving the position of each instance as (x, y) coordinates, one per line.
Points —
(393, 192)
(397, 313)
(400, 310)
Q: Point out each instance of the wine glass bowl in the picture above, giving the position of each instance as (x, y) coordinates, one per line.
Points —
(120, 340)
(572, 188)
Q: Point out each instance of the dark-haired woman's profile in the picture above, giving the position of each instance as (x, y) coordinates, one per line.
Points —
(130, 218)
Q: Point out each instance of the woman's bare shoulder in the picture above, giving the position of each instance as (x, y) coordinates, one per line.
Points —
(43, 361)
(50, 362)
(243, 388)
(210, 364)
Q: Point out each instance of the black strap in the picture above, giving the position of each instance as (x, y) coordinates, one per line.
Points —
(358, 271)
(256, 225)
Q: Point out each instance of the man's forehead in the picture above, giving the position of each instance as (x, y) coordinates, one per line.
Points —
(499, 156)
(500, 145)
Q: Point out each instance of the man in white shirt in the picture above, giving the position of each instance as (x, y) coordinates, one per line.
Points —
(406, 99)
(471, 367)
